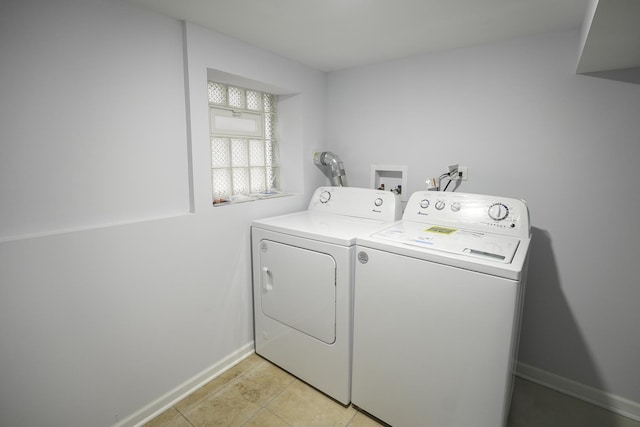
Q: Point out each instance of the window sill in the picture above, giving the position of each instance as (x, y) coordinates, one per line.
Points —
(243, 198)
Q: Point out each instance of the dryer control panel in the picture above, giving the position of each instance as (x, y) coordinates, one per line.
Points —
(357, 202)
(468, 211)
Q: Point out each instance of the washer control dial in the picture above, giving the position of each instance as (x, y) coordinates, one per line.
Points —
(440, 205)
(455, 206)
(498, 211)
(424, 203)
(378, 202)
(325, 196)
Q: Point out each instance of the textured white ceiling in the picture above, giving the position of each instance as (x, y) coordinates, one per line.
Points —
(330, 35)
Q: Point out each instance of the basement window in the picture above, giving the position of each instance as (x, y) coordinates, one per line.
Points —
(244, 144)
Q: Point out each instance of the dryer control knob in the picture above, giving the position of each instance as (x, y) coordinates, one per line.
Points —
(325, 196)
(455, 206)
(378, 202)
(424, 203)
(498, 211)
(439, 205)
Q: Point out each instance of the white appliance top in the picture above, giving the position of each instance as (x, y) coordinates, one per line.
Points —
(485, 233)
(356, 202)
(338, 215)
(457, 241)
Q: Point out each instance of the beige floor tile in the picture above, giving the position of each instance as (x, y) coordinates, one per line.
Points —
(262, 383)
(256, 393)
(219, 382)
(301, 405)
(265, 418)
(226, 408)
(169, 418)
(362, 420)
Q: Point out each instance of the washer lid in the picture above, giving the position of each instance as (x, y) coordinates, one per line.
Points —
(475, 244)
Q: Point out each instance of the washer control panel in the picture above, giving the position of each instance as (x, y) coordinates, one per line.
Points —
(494, 214)
(357, 202)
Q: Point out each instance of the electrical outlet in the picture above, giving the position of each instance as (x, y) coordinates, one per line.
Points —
(463, 173)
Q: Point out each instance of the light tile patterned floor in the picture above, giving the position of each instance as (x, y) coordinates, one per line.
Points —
(256, 393)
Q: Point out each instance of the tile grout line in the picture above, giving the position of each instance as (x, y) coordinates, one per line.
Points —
(223, 388)
(271, 412)
(279, 417)
(351, 419)
(267, 402)
(243, 375)
(281, 391)
(295, 379)
(184, 416)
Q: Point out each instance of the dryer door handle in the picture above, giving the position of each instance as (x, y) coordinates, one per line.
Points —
(267, 279)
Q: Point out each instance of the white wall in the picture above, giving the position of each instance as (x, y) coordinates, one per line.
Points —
(98, 322)
(301, 113)
(77, 123)
(526, 126)
(97, 319)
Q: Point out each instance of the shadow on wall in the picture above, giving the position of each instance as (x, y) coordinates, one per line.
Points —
(628, 75)
(551, 341)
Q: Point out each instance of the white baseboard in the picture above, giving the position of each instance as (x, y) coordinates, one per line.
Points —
(155, 408)
(611, 402)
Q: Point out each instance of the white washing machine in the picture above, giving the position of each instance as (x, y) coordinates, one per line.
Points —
(438, 298)
(303, 283)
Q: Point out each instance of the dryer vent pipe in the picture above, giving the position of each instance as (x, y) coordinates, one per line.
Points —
(332, 167)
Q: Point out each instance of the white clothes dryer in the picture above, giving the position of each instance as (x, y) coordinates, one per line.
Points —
(438, 298)
(303, 283)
